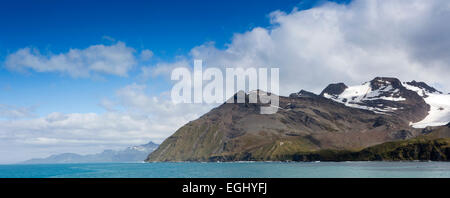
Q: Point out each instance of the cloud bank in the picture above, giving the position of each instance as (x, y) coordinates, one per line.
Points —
(133, 117)
(353, 43)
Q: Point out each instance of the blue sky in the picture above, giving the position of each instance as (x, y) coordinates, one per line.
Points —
(168, 28)
(83, 76)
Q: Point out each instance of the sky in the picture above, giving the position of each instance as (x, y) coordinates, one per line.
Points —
(83, 76)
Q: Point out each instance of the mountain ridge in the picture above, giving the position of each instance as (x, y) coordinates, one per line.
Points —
(129, 154)
(379, 111)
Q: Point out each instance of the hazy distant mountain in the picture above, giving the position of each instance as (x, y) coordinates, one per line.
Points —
(309, 126)
(130, 154)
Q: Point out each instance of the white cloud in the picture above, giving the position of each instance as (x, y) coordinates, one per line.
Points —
(81, 128)
(146, 55)
(136, 101)
(353, 43)
(162, 68)
(116, 59)
(14, 112)
(108, 104)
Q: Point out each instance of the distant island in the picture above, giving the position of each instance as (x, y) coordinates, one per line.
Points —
(382, 119)
(130, 154)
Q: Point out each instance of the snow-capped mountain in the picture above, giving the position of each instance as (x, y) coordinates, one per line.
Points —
(416, 101)
(149, 147)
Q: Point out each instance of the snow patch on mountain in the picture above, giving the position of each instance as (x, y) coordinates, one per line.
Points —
(439, 113)
(355, 96)
(149, 147)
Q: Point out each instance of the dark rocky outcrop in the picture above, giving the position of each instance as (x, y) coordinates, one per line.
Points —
(423, 86)
(303, 93)
(402, 134)
(413, 107)
(334, 89)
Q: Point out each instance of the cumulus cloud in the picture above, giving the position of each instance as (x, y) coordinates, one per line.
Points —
(116, 59)
(352, 43)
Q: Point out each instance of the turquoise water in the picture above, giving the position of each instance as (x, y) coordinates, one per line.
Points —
(234, 170)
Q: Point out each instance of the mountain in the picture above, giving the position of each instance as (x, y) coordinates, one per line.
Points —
(130, 154)
(416, 101)
(340, 118)
(381, 95)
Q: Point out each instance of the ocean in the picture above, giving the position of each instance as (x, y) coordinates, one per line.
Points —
(231, 170)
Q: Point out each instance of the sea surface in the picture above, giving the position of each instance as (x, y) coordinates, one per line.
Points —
(232, 169)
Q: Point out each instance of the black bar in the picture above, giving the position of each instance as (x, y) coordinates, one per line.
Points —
(274, 187)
